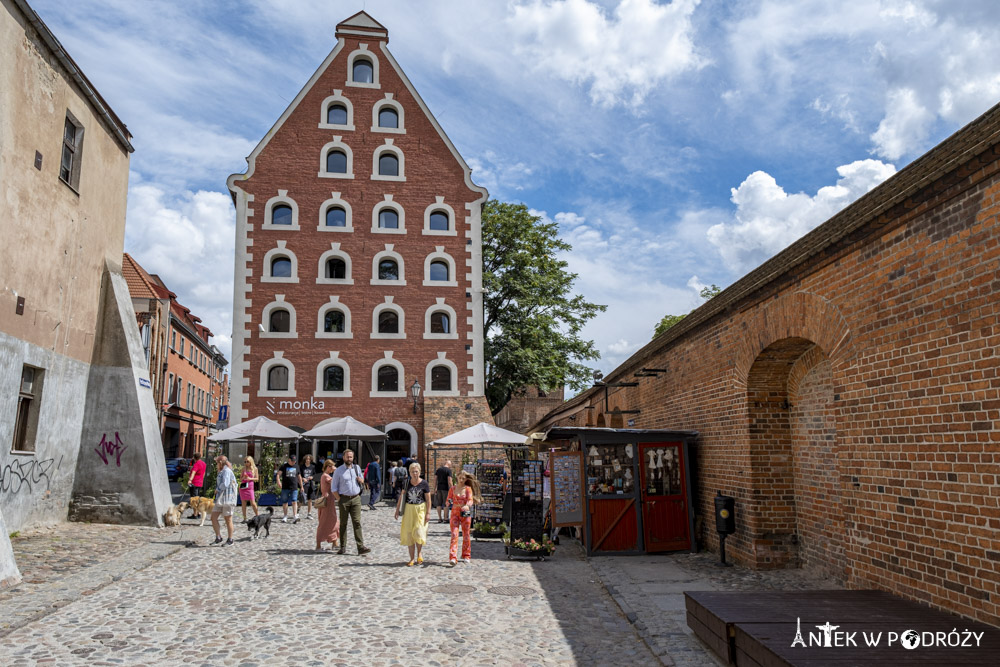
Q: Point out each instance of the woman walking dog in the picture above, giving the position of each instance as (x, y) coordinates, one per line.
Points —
(415, 505)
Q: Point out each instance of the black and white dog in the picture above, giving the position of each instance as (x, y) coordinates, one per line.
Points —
(261, 521)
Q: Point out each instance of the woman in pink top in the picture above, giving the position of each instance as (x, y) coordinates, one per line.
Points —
(196, 479)
(247, 480)
(462, 497)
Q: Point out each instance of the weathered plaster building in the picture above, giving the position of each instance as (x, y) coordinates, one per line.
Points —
(358, 257)
(77, 423)
(847, 391)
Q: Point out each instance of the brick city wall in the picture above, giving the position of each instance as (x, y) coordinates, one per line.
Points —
(851, 402)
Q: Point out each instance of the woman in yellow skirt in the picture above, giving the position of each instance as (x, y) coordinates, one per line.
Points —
(415, 505)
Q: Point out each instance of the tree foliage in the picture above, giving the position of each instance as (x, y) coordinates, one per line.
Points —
(532, 319)
(670, 320)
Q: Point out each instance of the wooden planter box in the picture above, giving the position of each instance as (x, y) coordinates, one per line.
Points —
(523, 554)
(479, 535)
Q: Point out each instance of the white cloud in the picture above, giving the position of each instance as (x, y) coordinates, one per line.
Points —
(906, 124)
(768, 219)
(622, 55)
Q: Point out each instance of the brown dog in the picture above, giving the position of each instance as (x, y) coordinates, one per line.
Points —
(202, 506)
(172, 517)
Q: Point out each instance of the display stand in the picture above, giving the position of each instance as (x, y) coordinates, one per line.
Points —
(527, 519)
(490, 510)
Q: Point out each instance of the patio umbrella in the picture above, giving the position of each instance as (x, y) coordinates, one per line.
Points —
(258, 427)
(345, 428)
(483, 434)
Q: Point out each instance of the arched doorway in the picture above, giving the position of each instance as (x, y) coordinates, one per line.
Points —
(793, 458)
(402, 442)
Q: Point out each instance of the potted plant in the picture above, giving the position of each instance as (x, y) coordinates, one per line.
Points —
(486, 530)
(530, 548)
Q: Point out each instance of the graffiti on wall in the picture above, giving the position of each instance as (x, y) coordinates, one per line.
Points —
(106, 449)
(25, 475)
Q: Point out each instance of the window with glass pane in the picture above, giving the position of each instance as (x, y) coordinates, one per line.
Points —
(363, 71)
(388, 270)
(439, 270)
(281, 215)
(439, 221)
(336, 162)
(70, 131)
(336, 269)
(388, 165)
(334, 321)
(388, 379)
(388, 322)
(333, 378)
(277, 379)
(388, 118)
(388, 219)
(281, 321)
(441, 378)
(336, 217)
(336, 114)
(281, 267)
(440, 323)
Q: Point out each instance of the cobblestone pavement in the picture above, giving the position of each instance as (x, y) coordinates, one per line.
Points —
(649, 589)
(277, 601)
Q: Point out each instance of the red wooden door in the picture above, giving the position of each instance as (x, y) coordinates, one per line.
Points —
(664, 497)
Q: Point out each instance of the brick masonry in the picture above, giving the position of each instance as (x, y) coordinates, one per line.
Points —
(847, 392)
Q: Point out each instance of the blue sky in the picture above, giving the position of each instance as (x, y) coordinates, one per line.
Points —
(677, 144)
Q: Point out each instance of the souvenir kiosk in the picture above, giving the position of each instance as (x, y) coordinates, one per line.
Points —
(629, 490)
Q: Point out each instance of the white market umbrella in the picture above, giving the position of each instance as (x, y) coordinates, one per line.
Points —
(258, 427)
(345, 428)
(483, 434)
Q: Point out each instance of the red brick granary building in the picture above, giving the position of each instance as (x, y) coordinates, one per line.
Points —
(359, 258)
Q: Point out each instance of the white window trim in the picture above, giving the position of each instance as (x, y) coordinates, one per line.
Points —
(336, 143)
(388, 203)
(325, 107)
(440, 306)
(335, 200)
(382, 307)
(334, 303)
(362, 50)
(333, 360)
(439, 205)
(391, 254)
(334, 251)
(387, 147)
(282, 198)
(283, 251)
(441, 361)
(440, 254)
(387, 360)
(397, 107)
(265, 319)
(277, 360)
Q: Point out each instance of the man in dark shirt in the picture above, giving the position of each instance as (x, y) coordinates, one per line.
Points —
(288, 479)
(373, 479)
(444, 483)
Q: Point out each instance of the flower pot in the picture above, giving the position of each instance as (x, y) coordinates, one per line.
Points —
(523, 554)
(480, 535)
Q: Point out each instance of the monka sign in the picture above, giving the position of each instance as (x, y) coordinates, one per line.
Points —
(307, 407)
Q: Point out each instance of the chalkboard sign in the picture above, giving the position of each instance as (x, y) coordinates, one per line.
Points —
(526, 521)
(491, 483)
(567, 488)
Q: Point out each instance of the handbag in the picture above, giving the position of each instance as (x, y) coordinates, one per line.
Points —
(320, 502)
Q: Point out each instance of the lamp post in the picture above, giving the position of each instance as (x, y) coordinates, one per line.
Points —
(415, 393)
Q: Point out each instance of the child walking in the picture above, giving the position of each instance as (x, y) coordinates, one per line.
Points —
(462, 497)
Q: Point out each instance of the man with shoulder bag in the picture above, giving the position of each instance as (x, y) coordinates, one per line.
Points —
(346, 488)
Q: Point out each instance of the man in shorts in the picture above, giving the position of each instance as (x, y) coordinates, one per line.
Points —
(288, 480)
(225, 499)
(196, 479)
(444, 483)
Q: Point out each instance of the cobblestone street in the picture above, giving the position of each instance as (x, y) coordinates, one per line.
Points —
(145, 598)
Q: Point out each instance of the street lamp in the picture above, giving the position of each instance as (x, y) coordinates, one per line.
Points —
(415, 393)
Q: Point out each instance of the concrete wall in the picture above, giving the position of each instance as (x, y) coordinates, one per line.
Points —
(9, 574)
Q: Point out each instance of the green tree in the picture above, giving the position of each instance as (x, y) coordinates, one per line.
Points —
(670, 320)
(532, 319)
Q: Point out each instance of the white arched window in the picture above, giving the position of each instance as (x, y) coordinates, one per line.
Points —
(388, 217)
(334, 267)
(333, 377)
(439, 219)
(334, 320)
(387, 116)
(277, 377)
(440, 321)
(281, 212)
(388, 163)
(388, 320)
(388, 379)
(280, 265)
(439, 269)
(337, 113)
(387, 267)
(335, 215)
(278, 319)
(336, 160)
(362, 68)
(441, 377)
